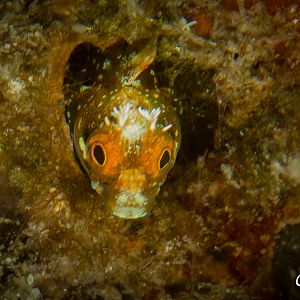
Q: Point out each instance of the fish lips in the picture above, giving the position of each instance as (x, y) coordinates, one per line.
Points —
(130, 204)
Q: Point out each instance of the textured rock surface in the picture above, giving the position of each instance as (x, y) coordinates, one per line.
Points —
(224, 222)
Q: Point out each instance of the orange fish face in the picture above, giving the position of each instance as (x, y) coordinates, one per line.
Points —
(130, 153)
(126, 135)
(139, 182)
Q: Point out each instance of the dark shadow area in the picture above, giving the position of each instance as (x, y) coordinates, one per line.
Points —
(286, 263)
(198, 114)
(196, 107)
(10, 217)
(82, 67)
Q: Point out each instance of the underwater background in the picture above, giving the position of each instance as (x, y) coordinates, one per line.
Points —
(225, 224)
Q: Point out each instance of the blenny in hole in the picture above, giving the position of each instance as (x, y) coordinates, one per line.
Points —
(125, 132)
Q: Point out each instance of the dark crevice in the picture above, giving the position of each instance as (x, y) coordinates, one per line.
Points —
(286, 263)
(195, 104)
(2, 99)
(198, 112)
(82, 67)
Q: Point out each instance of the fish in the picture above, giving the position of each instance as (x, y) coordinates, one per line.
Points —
(126, 133)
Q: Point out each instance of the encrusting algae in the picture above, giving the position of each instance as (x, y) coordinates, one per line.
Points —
(95, 97)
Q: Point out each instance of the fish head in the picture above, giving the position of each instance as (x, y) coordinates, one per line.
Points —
(129, 157)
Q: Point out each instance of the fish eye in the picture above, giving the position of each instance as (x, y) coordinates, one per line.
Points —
(98, 154)
(164, 159)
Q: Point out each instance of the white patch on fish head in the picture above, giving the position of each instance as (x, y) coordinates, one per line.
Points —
(135, 128)
(134, 121)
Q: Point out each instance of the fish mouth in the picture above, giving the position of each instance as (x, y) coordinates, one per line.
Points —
(129, 212)
(130, 205)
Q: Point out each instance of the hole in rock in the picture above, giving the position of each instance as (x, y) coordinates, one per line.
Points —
(196, 106)
(82, 66)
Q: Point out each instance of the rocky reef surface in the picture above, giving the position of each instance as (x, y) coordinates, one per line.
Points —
(225, 224)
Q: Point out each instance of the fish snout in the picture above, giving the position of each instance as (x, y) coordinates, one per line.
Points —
(130, 205)
(131, 180)
(130, 199)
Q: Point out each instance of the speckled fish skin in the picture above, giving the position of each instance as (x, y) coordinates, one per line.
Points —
(127, 141)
